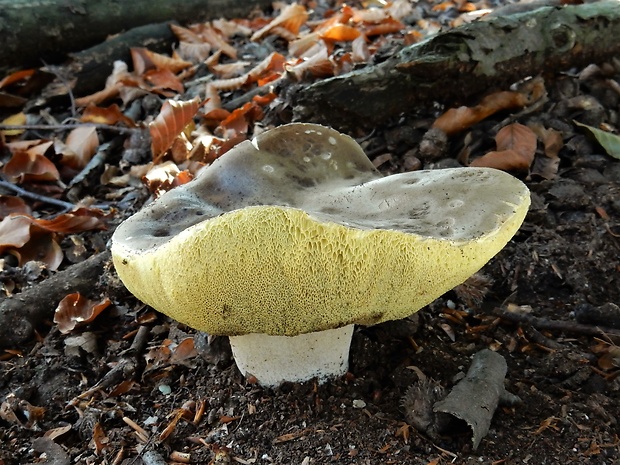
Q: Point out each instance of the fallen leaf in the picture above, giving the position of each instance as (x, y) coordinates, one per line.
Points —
(82, 143)
(18, 119)
(11, 204)
(76, 310)
(109, 115)
(173, 117)
(292, 17)
(610, 142)
(30, 163)
(516, 147)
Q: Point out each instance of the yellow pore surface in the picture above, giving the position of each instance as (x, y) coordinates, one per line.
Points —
(278, 271)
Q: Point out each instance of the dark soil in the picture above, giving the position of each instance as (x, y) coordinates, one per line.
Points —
(562, 267)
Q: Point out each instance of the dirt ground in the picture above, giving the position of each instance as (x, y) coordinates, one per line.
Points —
(544, 295)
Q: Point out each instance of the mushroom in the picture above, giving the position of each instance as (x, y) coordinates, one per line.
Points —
(288, 240)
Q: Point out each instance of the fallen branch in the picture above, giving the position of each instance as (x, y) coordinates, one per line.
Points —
(455, 65)
(35, 30)
(570, 327)
(23, 312)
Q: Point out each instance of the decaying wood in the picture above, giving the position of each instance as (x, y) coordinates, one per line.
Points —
(22, 313)
(33, 30)
(476, 397)
(570, 327)
(467, 60)
(91, 67)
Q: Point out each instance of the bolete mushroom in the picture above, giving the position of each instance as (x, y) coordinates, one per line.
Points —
(288, 240)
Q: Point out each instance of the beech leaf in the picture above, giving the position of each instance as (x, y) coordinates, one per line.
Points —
(75, 310)
(516, 147)
(174, 116)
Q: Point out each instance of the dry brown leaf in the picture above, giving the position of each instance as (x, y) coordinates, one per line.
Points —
(186, 35)
(194, 53)
(11, 204)
(292, 17)
(516, 147)
(76, 310)
(29, 162)
(164, 79)
(82, 143)
(547, 166)
(456, 120)
(14, 231)
(211, 36)
(145, 60)
(174, 116)
(99, 440)
(30, 238)
(109, 115)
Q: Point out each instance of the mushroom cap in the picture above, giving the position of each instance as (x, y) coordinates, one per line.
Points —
(296, 232)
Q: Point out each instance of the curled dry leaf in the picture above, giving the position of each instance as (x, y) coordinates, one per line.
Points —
(11, 204)
(516, 147)
(29, 161)
(144, 60)
(31, 238)
(79, 147)
(292, 17)
(174, 116)
(109, 115)
(547, 166)
(456, 120)
(76, 310)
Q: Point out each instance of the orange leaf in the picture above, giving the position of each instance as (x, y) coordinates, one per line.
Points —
(458, 119)
(516, 147)
(341, 33)
(16, 77)
(164, 79)
(388, 26)
(82, 143)
(79, 220)
(110, 115)
(172, 119)
(76, 310)
(238, 121)
(30, 162)
(145, 60)
(266, 99)
(292, 17)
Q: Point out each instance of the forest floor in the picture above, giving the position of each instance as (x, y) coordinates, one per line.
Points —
(178, 397)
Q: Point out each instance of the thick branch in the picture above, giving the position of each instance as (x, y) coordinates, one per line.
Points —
(47, 29)
(457, 64)
(22, 313)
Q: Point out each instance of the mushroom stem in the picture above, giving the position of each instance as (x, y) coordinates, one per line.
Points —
(273, 359)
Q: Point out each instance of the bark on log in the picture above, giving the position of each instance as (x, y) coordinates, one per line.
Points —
(22, 313)
(91, 67)
(35, 30)
(465, 61)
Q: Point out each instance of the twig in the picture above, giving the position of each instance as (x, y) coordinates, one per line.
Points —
(556, 325)
(60, 127)
(68, 206)
(248, 96)
(126, 368)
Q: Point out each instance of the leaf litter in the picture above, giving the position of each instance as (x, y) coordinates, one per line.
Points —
(141, 388)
